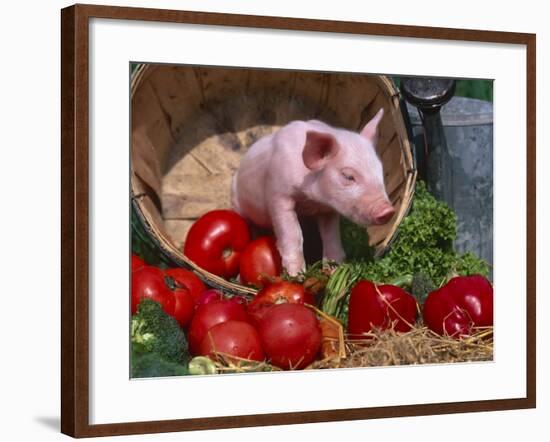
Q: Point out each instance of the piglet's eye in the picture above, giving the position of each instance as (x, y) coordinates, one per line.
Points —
(348, 176)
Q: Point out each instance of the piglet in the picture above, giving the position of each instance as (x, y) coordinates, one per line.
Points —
(310, 168)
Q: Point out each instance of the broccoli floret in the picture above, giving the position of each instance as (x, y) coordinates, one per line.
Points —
(151, 365)
(153, 331)
(421, 287)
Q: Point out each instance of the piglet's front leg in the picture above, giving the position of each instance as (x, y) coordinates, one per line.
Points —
(329, 229)
(289, 234)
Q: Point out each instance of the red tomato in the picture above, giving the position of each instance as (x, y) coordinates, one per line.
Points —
(283, 291)
(258, 311)
(208, 315)
(277, 293)
(464, 302)
(215, 295)
(380, 306)
(290, 335)
(235, 338)
(137, 263)
(188, 280)
(215, 242)
(184, 306)
(148, 282)
(208, 296)
(260, 261)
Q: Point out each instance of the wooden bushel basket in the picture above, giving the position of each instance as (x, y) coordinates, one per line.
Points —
(191, 126)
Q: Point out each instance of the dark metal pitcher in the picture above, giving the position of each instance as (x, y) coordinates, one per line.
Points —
(453, 140)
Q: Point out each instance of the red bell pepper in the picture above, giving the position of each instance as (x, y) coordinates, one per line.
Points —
(380, 306)
(461, 304)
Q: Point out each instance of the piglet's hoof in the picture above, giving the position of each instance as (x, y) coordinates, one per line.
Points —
(330, 266)
(294, 266)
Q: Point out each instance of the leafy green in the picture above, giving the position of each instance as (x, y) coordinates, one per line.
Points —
(470, 264)
(143, 245)
(355, 241)
(153, 331)
(339, 285)
(480, 89)
(424, 242)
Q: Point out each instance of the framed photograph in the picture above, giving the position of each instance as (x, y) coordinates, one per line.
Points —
(272, 221)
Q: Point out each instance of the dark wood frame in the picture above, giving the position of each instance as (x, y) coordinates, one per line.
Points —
(74, 219)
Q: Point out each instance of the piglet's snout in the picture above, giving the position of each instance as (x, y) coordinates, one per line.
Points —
(383, 214)
(375, 212)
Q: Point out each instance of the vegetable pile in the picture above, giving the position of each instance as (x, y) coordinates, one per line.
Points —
(422, 289)
(277, 329)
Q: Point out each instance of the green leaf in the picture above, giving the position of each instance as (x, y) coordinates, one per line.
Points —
(143, 245)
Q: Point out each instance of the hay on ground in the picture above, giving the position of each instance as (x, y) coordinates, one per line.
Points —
(418, 346)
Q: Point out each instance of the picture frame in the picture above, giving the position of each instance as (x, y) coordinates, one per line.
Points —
(77, 216)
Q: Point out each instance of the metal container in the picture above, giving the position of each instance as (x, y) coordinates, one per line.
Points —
(468, 129)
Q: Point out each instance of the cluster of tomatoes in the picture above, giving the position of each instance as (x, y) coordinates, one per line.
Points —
(220, 243)
(456, 309)
(276, 325)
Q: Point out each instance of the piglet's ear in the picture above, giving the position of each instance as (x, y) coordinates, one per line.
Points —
(319, 149)
(370, 131)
